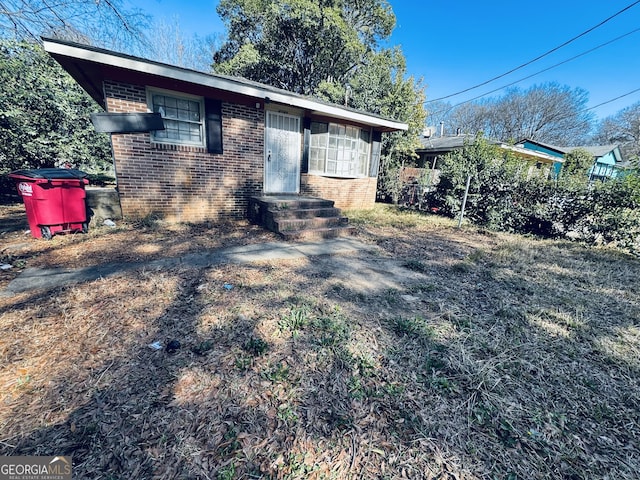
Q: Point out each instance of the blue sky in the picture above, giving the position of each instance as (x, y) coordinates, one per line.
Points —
(452, 46)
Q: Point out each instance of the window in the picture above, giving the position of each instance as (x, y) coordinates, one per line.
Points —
(340, 150)
(183, 118)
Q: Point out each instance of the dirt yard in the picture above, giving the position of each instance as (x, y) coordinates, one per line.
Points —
(442, 354)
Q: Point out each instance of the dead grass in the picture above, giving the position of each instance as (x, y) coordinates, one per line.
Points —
(497, 357)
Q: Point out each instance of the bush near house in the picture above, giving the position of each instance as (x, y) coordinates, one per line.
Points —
(504, 196)
(44, 117)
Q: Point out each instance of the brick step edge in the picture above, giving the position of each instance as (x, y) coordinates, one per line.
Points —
(289, 224)
(318, 233)
(285, 205)
(300, 213)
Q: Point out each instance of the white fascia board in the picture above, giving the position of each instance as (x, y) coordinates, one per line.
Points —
(533, 153)
(229, 85)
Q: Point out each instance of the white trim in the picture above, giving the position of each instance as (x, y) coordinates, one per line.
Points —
(533, 154)
(222, 83)
(150, 91)
(326, 153)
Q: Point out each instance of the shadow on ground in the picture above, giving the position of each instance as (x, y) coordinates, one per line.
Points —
(486, 359)
(14, 220)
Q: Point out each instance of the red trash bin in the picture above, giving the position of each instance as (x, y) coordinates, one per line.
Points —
(54, 199)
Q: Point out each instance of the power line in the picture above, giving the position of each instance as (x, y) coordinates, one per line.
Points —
(613, 99)
(543, 70)
(540, 56)
(579, 111)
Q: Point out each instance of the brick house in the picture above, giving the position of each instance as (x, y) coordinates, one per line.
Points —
(225, 139)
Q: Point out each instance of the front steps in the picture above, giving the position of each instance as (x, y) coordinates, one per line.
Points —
(299, 218)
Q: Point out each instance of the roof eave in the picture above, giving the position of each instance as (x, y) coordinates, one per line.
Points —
(617, 155)
(533, 154)
(90, 54)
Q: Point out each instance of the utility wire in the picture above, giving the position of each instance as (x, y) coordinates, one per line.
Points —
(579, 111)
(595, 106)
(540, 56)
(613, 99)
(542, 71)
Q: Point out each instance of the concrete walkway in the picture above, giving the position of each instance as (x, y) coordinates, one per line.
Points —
(39, 278)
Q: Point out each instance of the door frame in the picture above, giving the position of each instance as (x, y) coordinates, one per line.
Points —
(293, 113)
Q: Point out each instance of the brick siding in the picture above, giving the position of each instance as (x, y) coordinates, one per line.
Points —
(185, 183)
(182, 183)
(345, 192)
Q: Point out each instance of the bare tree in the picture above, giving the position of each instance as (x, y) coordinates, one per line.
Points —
(104, 23)
(172, 46)
(469, 118)
(549, 113)
(622, 129)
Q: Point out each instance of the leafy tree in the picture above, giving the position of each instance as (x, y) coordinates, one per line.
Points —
(577, 163)
(44, 114)
(493, 172)
(504, 196)
(330, 49)
(298, 44)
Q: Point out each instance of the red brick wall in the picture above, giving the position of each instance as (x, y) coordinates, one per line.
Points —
(183, 183)
(345, 192)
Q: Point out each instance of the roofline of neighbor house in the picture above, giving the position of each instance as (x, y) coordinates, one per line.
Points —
(590, 148)
(555, 148)
(235, 85)
(521, 151)
(532, 154)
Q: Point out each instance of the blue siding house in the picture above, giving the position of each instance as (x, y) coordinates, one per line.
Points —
(537, 154)
(550, 150)
(607, 159)
(607, 162)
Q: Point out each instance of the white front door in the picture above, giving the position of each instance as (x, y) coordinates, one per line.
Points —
(282, 153)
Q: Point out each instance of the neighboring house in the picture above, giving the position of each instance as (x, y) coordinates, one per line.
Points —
(225, 139)
(557, 153)
(435, 147)
(607, 161)
(538, 157)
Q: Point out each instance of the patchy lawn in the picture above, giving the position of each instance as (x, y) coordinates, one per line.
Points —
(493, 357)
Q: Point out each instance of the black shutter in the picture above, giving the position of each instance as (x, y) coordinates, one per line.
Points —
(376, 145)
(126, 122)
(213, 125)
(306, 145)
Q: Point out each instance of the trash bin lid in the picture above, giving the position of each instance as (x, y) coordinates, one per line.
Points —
(51, 173)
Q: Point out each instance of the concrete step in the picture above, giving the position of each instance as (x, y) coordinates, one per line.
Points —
(299, 218)
(304, 212)
(278, 203)
(318, 233)
(289, 224)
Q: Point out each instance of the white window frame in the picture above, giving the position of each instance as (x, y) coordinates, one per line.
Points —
(320, 146)
(156, 136)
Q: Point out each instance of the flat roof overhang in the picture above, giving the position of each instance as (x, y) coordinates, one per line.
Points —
(532, 155)
(90, 66)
